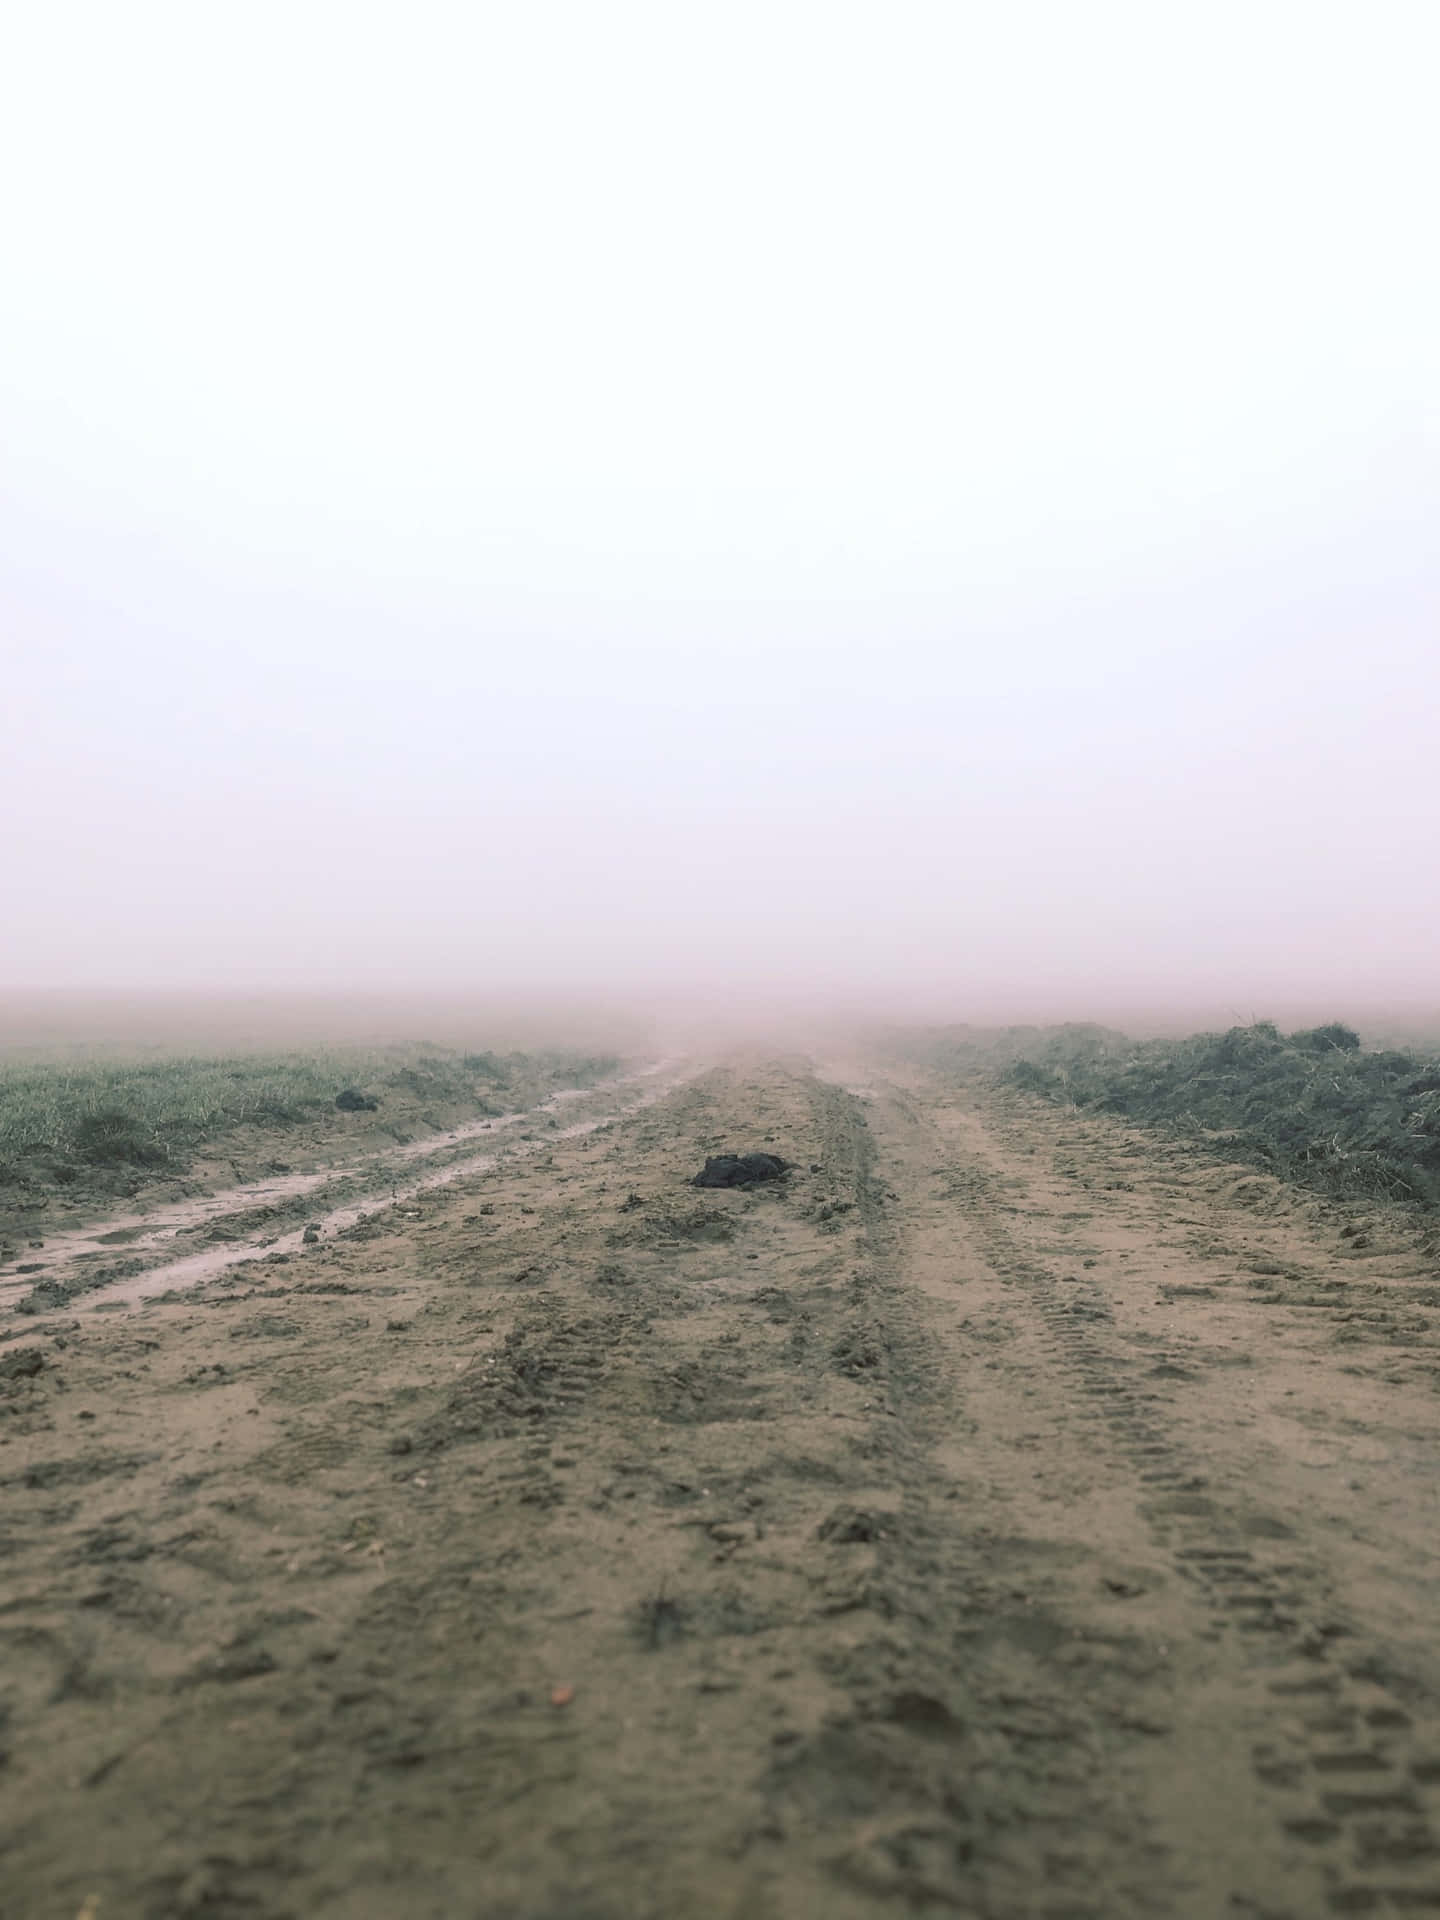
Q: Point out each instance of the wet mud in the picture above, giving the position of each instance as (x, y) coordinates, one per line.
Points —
(1005, 1514)
(247, 1219)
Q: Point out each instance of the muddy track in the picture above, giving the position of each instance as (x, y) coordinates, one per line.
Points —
(1005, 1516)
(1334, 1726)
(255, 1219)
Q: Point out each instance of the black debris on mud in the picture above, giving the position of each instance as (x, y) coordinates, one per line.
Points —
(741, 1170)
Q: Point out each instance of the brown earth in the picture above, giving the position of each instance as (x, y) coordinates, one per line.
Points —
(1009, 1515)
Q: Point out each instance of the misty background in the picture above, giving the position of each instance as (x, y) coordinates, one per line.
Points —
(927, 507)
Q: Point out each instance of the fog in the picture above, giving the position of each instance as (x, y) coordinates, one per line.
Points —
(921, 509)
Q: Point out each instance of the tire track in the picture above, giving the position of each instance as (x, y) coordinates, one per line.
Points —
(1339, 1748)
(978, 1747)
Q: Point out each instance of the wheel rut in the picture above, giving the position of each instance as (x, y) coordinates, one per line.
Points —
(1276, 1677)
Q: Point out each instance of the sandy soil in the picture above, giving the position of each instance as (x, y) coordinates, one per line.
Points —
(1009, 1516)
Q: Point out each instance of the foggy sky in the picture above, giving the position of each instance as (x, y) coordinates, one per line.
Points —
(928, 501)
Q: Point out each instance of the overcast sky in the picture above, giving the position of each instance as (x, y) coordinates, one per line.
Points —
(937, 499)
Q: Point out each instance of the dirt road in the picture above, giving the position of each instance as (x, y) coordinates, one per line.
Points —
(1008, 1516)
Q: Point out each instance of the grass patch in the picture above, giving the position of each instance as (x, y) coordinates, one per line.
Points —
(66, 1122)
(964, 1049)
(1313, 1106)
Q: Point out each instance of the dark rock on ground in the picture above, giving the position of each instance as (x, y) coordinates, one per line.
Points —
(351, 1100)
(740, 1170)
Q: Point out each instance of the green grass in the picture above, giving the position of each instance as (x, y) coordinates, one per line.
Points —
(964, 1049)
(1313, 1106)
(155, 1114)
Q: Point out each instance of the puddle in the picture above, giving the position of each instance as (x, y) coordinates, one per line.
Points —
(372, 1186)
(140, 1232)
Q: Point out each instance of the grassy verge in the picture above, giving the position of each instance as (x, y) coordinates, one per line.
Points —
(85, 1125)
(1313, 1106)
(965, 1049)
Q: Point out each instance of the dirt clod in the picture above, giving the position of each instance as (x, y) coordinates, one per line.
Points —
(23, 1363)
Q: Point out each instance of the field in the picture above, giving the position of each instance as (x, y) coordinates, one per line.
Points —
(1313, 1106)
(1022, 1507)
(70, 1121)
(98, 1112)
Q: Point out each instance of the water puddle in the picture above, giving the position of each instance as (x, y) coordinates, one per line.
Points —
(370, 1185)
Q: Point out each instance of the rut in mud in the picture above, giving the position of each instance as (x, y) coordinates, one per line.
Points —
(1001, 1515)
(258, 1218)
